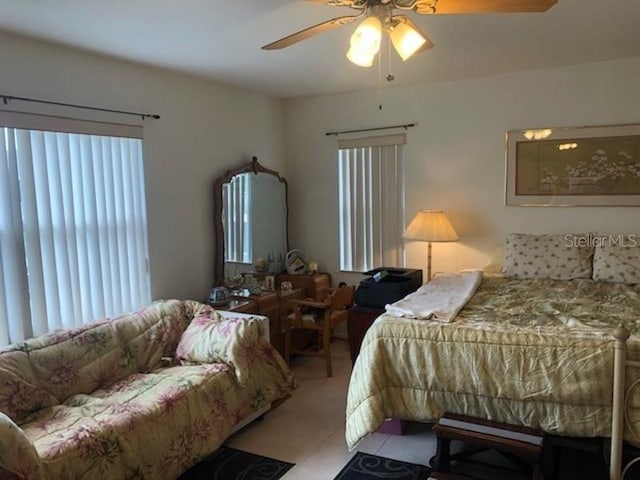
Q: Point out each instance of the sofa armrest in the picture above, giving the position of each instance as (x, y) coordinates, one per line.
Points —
(18, 455)
(264, 321)
(222, 340)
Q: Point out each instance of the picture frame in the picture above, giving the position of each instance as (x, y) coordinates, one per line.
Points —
(579, 166)
(269, 282)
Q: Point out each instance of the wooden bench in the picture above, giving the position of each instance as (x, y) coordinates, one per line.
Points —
(517, 443)
(448, 476)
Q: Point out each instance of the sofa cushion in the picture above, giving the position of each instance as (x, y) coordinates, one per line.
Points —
(78, 360)
(84, 359)
(152, 332)
(209, 338)
(159, 423)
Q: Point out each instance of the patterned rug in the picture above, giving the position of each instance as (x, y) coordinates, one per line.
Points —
(227, 463)
(364, 466)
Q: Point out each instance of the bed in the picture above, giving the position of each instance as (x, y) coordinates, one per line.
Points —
(532, 347)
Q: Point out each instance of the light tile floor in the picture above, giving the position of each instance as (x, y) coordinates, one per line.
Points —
(308, 429)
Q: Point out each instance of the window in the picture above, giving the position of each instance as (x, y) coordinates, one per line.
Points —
(236, 219)
(73, 229)
(371, 202)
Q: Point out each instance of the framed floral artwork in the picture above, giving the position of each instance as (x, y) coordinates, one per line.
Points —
(588, 166)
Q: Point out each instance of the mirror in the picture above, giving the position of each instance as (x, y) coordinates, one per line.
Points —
(250, 219)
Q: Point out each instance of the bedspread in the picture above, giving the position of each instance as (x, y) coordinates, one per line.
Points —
(537, 353)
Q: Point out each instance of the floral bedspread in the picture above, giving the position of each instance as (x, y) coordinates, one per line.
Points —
(113, 400)
(537, 353)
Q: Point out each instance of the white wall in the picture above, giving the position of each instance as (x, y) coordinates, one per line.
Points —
(204, 130)
(455, 157)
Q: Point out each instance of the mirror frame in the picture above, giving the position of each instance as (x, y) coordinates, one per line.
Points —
(252, 167)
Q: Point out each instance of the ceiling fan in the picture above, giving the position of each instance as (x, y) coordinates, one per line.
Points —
(406, 37)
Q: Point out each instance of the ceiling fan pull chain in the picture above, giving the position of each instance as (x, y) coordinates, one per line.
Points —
(380, 80)
(390, 77)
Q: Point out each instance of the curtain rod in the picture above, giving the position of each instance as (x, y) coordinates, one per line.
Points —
(7, 98)
(405, 126)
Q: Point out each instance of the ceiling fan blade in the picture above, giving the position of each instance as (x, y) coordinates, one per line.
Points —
(427, 7)
(310, 31)
(427, 44)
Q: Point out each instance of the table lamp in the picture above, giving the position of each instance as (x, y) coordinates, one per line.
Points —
(430, 226)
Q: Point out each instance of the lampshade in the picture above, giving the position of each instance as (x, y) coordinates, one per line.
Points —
(360, 58)
(430, 226)
(406, 40)
(365, 42)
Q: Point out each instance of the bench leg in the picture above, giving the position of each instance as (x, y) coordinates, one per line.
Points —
(549, 459)
(537, 474)
(443, 455)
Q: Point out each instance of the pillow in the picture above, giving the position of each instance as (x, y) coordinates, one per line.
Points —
(558, 257)
(617, 261)
(211, 338)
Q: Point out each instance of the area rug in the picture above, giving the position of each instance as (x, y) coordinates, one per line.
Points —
(227, 463)
(364, 466)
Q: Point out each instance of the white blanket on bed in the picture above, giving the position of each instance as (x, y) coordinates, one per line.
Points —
(441, 299)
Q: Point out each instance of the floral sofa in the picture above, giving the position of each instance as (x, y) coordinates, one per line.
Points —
(145, 395)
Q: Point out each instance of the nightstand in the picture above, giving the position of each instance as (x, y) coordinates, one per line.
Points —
(360, 319)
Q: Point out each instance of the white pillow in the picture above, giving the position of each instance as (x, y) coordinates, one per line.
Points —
(546, 256)
(617, 262)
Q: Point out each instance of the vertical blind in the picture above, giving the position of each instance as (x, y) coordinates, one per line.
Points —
(236, 219)
(371, 202)
(73, 228)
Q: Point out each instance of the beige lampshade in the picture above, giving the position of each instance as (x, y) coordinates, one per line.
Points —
(365, 42)
(406, 40)
(431, 226)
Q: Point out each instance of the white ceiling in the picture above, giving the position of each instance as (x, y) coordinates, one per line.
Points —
(221, 40)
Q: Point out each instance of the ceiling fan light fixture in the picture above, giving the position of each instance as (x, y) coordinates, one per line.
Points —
(406, 40)
(365, 42)
(362, 59)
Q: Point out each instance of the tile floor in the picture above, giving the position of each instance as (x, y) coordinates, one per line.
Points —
(308, 429)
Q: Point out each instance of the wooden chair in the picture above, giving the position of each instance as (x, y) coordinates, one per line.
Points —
(322, 317)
